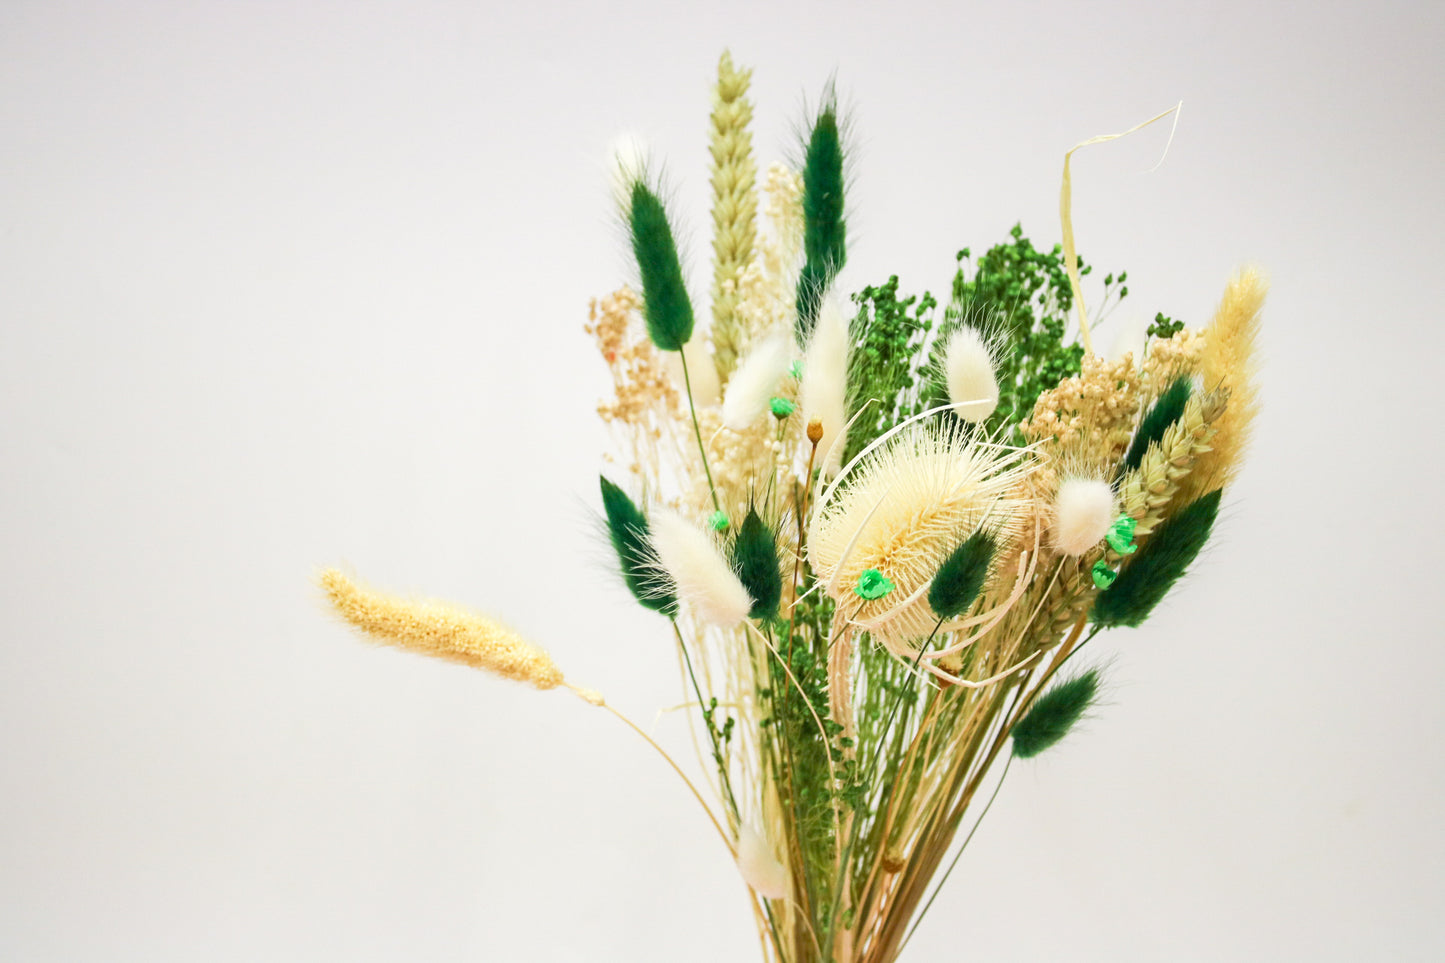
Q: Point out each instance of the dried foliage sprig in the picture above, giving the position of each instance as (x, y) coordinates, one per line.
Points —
(881, 543)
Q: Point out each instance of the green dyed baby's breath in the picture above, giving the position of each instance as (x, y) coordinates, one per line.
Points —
(755, 560)
(1053, 714)
(961, 576)
(665, 302)
(1149, 575)
(627, 527)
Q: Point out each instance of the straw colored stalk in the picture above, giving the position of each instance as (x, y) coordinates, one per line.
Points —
(1230, 361)
(441, 630)
(735, 205)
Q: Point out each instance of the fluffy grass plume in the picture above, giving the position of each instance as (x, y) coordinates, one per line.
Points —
(756, 380)
(699, 572)
(961, 576)
(825, 236)
(1162, 560)
(968, 373)
(1164, 412)
(627, 527)
(734, 205)
(824, 389)
(1230, 360)
(1053, 714)
(1083, 512)
(440, 630)
(665, 303)
(755, 560)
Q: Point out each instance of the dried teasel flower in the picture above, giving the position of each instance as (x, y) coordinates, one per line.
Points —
(900, 512)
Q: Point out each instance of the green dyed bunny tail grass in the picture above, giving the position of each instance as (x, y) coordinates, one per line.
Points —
(825, 234)
(1054, 714)
(961, 576)
(665, 302)
(1163, 413)
(627, 527)
(1149, 575)
(755, 560)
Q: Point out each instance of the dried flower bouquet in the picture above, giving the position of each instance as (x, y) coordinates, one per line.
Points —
(878, 535)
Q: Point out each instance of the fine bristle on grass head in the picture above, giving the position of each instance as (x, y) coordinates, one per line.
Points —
(440, 630)
(627, 527)
(1162, 560)
(666, 305)
(961, 576)
(825, 243)
(755, 560)
(1053, 714)
(1163, 413)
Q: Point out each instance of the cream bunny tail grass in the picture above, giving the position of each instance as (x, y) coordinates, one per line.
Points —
(1230, 361)
(443, 631)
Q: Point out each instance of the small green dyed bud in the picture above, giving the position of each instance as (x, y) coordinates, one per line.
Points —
(1104, 576)
(718, 521)
(1121, 536)
(781, 407)
(796, 369)
(872, 584)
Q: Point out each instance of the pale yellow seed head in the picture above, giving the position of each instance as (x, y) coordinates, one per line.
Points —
(440, 630)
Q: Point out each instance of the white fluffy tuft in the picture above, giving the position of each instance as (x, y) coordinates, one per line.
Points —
(760, 868)
(824, 391)
(968, 371)
(1083, 511)
(756, 380)
(698, 570)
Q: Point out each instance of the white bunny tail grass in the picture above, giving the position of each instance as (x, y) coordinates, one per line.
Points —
(968, 371)
(904, 509)
(761, 869)
(756, 380)
(1084, 508)
(824, 389)
(699, 571)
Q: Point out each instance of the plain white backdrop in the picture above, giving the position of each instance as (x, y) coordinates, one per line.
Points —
(291, 284)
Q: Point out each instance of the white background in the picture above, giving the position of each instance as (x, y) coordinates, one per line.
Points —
(291, 284)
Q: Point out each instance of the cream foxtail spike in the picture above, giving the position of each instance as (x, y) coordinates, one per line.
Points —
(445, 631)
